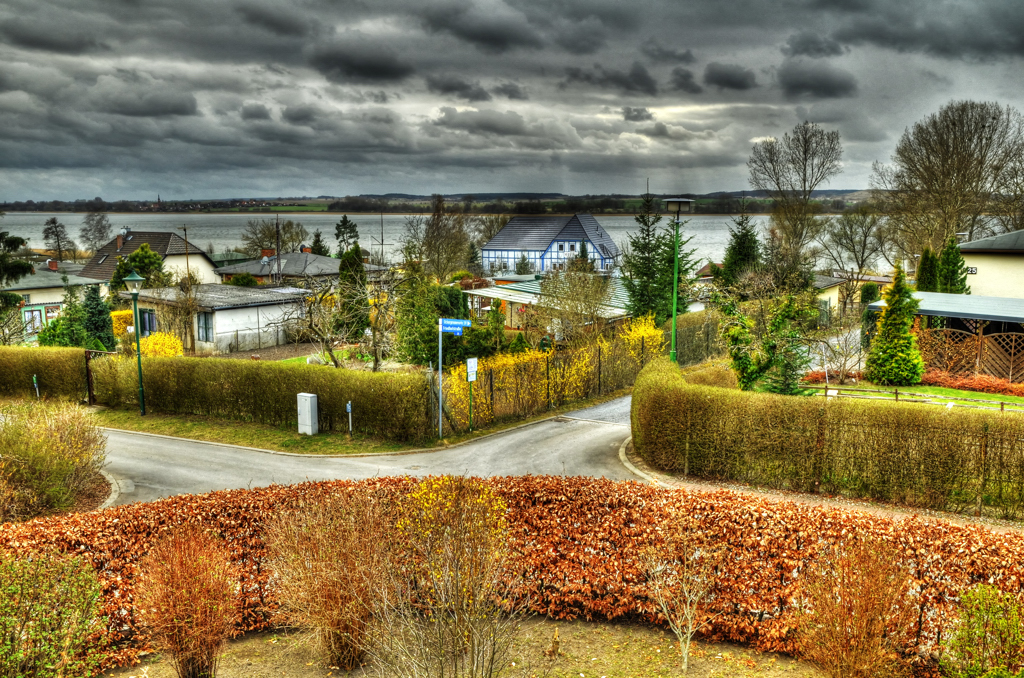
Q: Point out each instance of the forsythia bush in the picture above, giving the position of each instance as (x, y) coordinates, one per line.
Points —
(161, 345)
(122, 320)
(643, 338)
(575, 548)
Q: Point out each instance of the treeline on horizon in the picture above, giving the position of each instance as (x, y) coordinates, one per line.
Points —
(714, 203)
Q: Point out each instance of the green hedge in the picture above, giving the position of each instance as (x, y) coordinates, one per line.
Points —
(697, 336)
(60, 371)
(918, 455)
(384, 404)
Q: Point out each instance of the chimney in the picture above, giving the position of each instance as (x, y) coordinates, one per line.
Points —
(307, 250)
(267, 253)
(51, 264)
(120, 241)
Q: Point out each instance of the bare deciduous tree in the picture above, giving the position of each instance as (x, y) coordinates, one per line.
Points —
(852, 242)
(445, 241)
(488, 226)
(95, 231)
(571, 304)
(261, 234)
(950, 172)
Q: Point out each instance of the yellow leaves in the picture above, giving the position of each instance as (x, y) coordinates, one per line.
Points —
(161, 345)
(643, 338)
(122, 320)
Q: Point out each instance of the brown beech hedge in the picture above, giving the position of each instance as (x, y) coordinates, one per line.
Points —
(577, 542)
(911, 454)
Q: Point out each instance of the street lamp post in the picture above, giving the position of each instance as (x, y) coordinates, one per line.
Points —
(678, 202)
(134, 282)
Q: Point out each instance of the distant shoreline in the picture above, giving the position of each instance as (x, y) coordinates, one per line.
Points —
(407, 214)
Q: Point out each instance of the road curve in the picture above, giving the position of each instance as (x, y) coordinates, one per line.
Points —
(584, 443)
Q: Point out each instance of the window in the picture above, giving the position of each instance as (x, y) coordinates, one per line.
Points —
(205, 326)
(561, 247)
(147, 322)
(33, 320)
(572, 247)
(27, 298)
(52, 312)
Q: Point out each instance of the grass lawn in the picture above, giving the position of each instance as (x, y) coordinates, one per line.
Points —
(281, 439)
(589, 649)
(939, 391)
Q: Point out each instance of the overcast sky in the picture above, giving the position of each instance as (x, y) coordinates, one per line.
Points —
(208, 98)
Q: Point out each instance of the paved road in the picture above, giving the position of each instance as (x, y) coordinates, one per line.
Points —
(585, 442)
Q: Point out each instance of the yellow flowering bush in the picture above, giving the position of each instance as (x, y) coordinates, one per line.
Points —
(643, 339)
(161, 345)
(122, 321)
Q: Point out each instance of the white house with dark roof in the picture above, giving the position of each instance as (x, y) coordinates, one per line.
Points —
(178, 255)
(549, 242)
(43, 291)
(995, 265)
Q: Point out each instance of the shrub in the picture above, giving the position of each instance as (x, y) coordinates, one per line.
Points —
(982, 383)
(49, 616)
(59, 371)
(990, 637)
(643, 339)
(855, 615)
(894, 358)
(711, 374)
(331, 560)
(899, 452)
(161, 345)
(243, 279)
(121, 320)
(186, 598)
(49, 453)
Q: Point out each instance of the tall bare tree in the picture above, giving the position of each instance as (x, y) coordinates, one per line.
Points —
(487, 226)
(95, 231)
(789, 170)
(445, 240)
(261, 234)
(852, 242)
(57, 240)
(950, 172)
(571, 304)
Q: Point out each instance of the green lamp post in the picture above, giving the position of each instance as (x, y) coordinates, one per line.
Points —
(134, 283)
(678, 203)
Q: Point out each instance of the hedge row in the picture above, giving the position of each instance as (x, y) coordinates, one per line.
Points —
(384, 404)
(578, 541)
(904, 453)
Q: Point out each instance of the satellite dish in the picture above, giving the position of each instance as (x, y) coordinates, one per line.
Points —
(265, 261)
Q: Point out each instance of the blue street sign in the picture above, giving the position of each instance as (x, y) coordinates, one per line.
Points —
(453, 325)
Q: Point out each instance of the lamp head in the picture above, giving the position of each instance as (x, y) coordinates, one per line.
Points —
(134, 282)
(678, 204)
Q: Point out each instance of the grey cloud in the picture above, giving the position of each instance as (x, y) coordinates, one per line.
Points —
(683, 80)
(815, 79)
(630, 114)
(450, 84)
(149, 104)
(511, 90)
(359, 61)
(812, 45)
(638, 79)
(276, 19)
(255, 112)
(64, 37)
(655, 52)
(508, 123)
(729, 76)
(488, 30)
(580, 37)
(301, 114)
(655, 131)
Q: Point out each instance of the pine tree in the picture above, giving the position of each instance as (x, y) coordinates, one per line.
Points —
(868, 295)
(57, 240)
(12, 269)
(354, 305)
(523, 265)
(318, 246)
(346, 233)
(687, 265)
(952, 272)
(582, 261)
(744, 250)
(97, 319)
(144, 261)
(894, 358)
(928, 271)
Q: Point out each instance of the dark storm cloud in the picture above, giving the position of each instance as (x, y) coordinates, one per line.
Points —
(812, 45)
(457, 87)
(302, 114)
(800, 78)
(655, 52)
(276, 19)
(512, 91)
(487, 30)
(638, 79)
(359, 60)
(630, 114)
(63, 37)
(147, 104)
(683, 81)
(508, 123)
(255, 112)
(729, 76)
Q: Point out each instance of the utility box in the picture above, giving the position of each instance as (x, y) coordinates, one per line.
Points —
(309, 417)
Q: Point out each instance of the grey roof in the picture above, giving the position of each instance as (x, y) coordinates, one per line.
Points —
(104, 261)
(293, 264)
(824, 282)
(212, 297)
(1007, 242)
(537, 233)
(996, 309)
(527, 293)
(44, 278)
(618, 297)
(224, 258)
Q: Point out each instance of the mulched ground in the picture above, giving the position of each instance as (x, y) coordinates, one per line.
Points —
(97, 491)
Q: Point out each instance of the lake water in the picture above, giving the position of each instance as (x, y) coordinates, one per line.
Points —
(710, 232)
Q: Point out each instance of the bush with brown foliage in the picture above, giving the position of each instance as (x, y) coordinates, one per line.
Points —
(855, 615)
(331, 560)
(711, 374)
(186, 598)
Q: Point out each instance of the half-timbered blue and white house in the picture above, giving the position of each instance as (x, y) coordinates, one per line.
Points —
(549, 242)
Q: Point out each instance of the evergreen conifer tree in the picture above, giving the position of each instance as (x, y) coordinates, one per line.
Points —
(744, 250)
(144, 261)
(12, 269)
(346, 233)
(894, 359)
(97, 319)
(868, 295)
(952, 269)
(352, 300)
(928, 271)
(523, 265)
(318, 246)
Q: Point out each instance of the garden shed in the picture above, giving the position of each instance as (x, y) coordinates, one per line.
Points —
(970, 333)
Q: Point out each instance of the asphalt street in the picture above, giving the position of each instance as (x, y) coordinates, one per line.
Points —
(584, 442)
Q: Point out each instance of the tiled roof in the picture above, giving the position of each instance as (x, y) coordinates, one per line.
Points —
(824, 282)
(293, 265)
(216, 296)
(45, 278)
(618, 297)
(1007, 242)
(104, 262)
(537, 233)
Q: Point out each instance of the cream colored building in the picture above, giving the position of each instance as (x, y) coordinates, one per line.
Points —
(43, 291)
(995, 265)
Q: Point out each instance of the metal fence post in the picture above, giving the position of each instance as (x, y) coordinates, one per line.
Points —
(599, 371)
(490, 378)
(547, 377)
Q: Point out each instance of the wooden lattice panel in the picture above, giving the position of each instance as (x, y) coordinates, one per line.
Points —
(1003, 356)
(953, 351)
